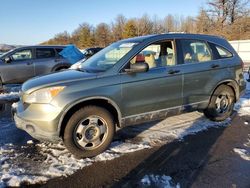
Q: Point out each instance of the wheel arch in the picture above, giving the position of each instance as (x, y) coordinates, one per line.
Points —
(1, 83)
(232, 84)
(103, 102)
(60, 66)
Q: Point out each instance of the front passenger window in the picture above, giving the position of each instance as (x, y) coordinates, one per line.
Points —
(157, 55)
(22, 55)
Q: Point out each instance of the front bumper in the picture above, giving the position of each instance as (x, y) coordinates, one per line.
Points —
(39, 120)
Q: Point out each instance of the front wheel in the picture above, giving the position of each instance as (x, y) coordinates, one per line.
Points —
(89, 131)
(221, 104)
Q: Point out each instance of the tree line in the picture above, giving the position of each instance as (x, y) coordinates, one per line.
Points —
(227, 18)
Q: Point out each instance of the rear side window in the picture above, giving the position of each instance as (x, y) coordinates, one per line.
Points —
(58, 50)
(223, 52)
(45, 53)
(195, 51)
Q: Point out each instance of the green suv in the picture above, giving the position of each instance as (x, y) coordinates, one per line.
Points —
(129, 82)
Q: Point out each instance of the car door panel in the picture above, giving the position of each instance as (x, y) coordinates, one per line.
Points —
(44, 65)
(150, 91)
(17, 71)
(45, 60)
(199, 81)
(201, 71)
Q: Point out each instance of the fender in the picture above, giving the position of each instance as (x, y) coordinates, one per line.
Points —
(231, 83)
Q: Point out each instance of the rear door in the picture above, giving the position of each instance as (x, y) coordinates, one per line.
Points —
(20, 68)
(45, 60)
(156, 90)
(201, 71)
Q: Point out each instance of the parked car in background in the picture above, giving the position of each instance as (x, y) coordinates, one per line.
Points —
(129, 82)
(88, 52)
(20, 64)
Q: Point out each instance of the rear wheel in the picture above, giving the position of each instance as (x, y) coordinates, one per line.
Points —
(1, 86)
(89, 131)
(221, 104)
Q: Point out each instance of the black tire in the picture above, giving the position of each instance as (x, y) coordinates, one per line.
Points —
(61, 69)
(221, 104)
(86, 128)
(1, 86)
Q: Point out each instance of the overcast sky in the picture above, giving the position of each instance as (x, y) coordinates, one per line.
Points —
(34, 21)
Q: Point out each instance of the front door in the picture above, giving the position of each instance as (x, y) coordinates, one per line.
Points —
(152, 93)
(20, 67)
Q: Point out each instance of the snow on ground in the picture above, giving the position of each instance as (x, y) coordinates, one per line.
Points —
(9, 96)
(244, 152)
(24, 160)
(11, 93)
(161, 181)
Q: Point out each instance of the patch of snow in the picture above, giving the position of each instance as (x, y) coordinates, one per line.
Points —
(30, 142)
(121, 147)
(244, 154)
(54, 161)
(12, 88)
(161, 181)
(243, 105)
(175, 127)
(9, 96)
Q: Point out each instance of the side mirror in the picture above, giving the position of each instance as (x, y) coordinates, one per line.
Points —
(7, 60)
(138, 67)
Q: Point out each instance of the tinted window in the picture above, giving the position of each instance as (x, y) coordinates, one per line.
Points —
(45, 53)
(223, 52)
(58, 50)
(195, 51)
(22, 55)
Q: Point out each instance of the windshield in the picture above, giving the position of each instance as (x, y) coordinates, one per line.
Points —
(1, 55)
(108, 57)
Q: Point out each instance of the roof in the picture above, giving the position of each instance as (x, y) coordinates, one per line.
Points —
(171, 36)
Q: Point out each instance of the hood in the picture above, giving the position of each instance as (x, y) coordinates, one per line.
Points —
(53, 79)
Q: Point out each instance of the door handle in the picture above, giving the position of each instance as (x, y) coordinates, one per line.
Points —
(173, 71)
(215, 66)
(29, 63)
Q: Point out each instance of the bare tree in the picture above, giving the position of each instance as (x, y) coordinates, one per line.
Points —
(203, 22)
(102, 35)
(118, 27)
(228, 18)
(144, 25)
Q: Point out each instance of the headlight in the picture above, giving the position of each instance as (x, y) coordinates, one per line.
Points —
(43, 95)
